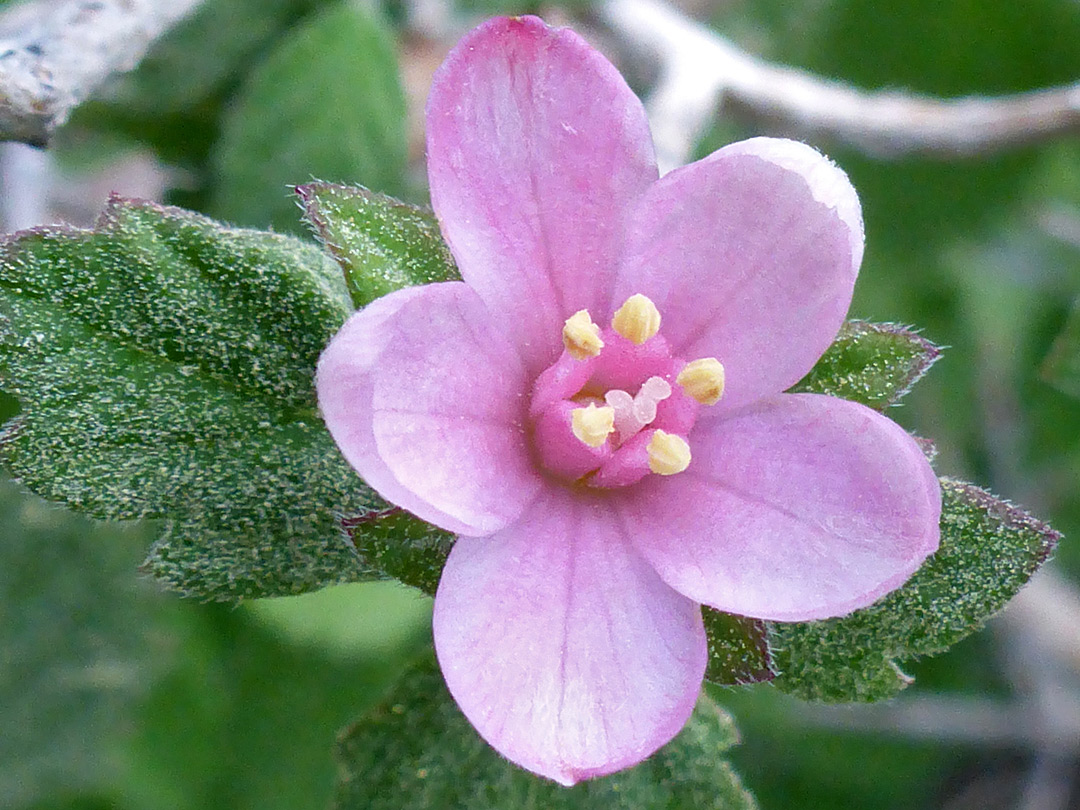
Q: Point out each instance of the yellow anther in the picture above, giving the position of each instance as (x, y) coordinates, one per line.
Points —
(668, 454)
(581, 336)
(703, 380)
(592, 425)
(637, 320)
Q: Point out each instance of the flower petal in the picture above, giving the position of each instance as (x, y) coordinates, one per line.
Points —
(427, 401)
(803, 507)
(751, 256)
(536, 146)
(562, 646)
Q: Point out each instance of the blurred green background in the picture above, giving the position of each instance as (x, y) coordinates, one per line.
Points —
(114, 695)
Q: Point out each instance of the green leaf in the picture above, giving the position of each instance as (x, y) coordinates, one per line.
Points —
(76, 648)
(417, 750)
(738, 649)
(165, 369)
(989, 549)
(875, 364)
(1062, 366)
(381, 244)
(326, 103)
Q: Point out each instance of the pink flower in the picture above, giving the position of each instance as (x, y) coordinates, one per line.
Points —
(596, 411)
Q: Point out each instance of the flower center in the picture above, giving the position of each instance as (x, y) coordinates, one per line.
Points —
(618, 405)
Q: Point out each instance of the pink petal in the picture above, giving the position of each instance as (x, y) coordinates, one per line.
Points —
(427, 401)
(751, 256)
(536, 146)
(562, 646)
(802, 507)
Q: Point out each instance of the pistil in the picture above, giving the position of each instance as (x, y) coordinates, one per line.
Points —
(634, 413)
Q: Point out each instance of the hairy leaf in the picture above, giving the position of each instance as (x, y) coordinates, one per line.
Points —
(164, 365)
(989, 549)
(326, 103)
(381, 244)
(417, 750)
(872, 363)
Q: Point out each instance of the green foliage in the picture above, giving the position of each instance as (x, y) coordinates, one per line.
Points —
(244, 715)
(173, 100)
(327, 103)
(790, 763)
(75, 647)
(381, 244)
(875, 364)
(417, 750)
(1062, 366)
(164, 365)
(989, 549)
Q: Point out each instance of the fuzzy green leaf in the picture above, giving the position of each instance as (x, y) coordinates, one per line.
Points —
(989, 549)
(1062, 366)
(326, 103)
(417, 750)
(738, 649)
(164, 365)
(381, 244)
(875, 364)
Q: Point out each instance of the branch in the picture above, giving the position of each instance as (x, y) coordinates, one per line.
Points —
(700, 69)
(55, 53)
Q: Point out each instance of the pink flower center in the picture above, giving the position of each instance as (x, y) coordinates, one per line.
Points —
(617, 405)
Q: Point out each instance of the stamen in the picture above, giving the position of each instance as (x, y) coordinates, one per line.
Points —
(581, 336)
(703, 380)
(668, 454)
(592, 425)
(637, 319)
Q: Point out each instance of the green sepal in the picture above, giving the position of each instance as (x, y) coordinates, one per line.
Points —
(871, 363)
(417, 750)
(739, 650)
(164, 365)
(401, 545)
(989, 549)
(382, 244)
